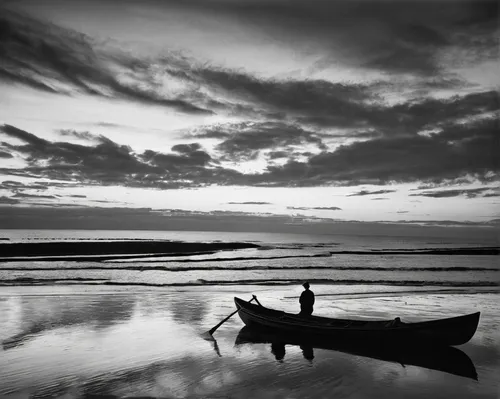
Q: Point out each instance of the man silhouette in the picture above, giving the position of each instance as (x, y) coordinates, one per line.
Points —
(306, 301)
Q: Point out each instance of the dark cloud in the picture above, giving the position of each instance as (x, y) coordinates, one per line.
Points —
(445, 183)
(80, 217)
(85, 135)
(354, 107)
(8, 200)
(4, 154)
(394, 37)
(15, 185)
(249, 140)
(366, 192)
(77, 196)
(458, 150)
(58, 60)
(26, 195)
(108, 163)
(412, 117)
(190, 156)
(316, 208)
(316, 102)
(278, 154)
(379, 199)
(443, 223)
(146, 218)
(104, 201)
(469, 193)
(250, 203)
(186, 148)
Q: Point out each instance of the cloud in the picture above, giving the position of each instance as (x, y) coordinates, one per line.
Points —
(5, 155)
(71, 216)
(81, 217)
(444, 223)
(58, 60)
(15, 185)
(190, 157)
(458, 150)
(278, 154)
(245, 141)
(8, 200)
(392, 37)
(26, 195)
(309, 102)
(108, 163)
(379, 199)
(250, 203)
(469, 193)
(315, 208)
(366, 192)
(466, 150)
(86, 135)
(359, 108)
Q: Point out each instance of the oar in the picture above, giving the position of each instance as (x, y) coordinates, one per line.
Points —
(213, 329)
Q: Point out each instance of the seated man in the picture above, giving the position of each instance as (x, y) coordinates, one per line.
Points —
(306, 301)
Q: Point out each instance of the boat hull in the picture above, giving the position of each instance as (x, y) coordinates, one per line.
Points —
(451, 331)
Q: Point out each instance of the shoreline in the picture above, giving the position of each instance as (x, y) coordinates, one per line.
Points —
(81, 341)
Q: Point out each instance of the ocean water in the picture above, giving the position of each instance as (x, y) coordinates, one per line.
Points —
(82, 342)
(134, 327)
(280, 259)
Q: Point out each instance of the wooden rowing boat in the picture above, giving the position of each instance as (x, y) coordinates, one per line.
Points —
(450, 331)
(446, 359)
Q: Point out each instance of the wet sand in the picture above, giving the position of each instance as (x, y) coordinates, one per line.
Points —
(79, 341)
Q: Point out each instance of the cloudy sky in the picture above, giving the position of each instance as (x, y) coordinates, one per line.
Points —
(298, 111)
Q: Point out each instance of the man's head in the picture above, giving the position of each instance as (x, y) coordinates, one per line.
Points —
(306, 285)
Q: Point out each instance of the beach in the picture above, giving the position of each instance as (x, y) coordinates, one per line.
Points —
(82, 341)
(126, 321)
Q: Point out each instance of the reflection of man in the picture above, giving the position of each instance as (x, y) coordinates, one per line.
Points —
(307, 352)
(306, 301)
(278, 350)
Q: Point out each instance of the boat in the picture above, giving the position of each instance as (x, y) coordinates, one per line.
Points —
(447, 359)
(451, 331)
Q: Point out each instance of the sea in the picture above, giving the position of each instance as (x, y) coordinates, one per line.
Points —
(381, 262)
(136, 327)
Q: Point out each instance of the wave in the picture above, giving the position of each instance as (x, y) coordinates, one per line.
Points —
(49, 281)
(246, 268)
(237, 258)
(426, 251)
(275, 282)
(103, 258)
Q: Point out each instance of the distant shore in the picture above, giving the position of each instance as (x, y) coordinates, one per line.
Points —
(108, 249)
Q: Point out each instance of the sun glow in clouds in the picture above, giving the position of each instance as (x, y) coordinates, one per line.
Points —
(277, 108)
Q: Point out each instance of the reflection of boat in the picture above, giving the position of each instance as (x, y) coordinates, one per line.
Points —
(452, 331)
(443, 358)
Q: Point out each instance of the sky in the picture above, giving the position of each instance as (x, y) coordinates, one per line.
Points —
(249, 114)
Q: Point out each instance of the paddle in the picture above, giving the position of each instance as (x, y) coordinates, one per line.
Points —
(213, 329)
